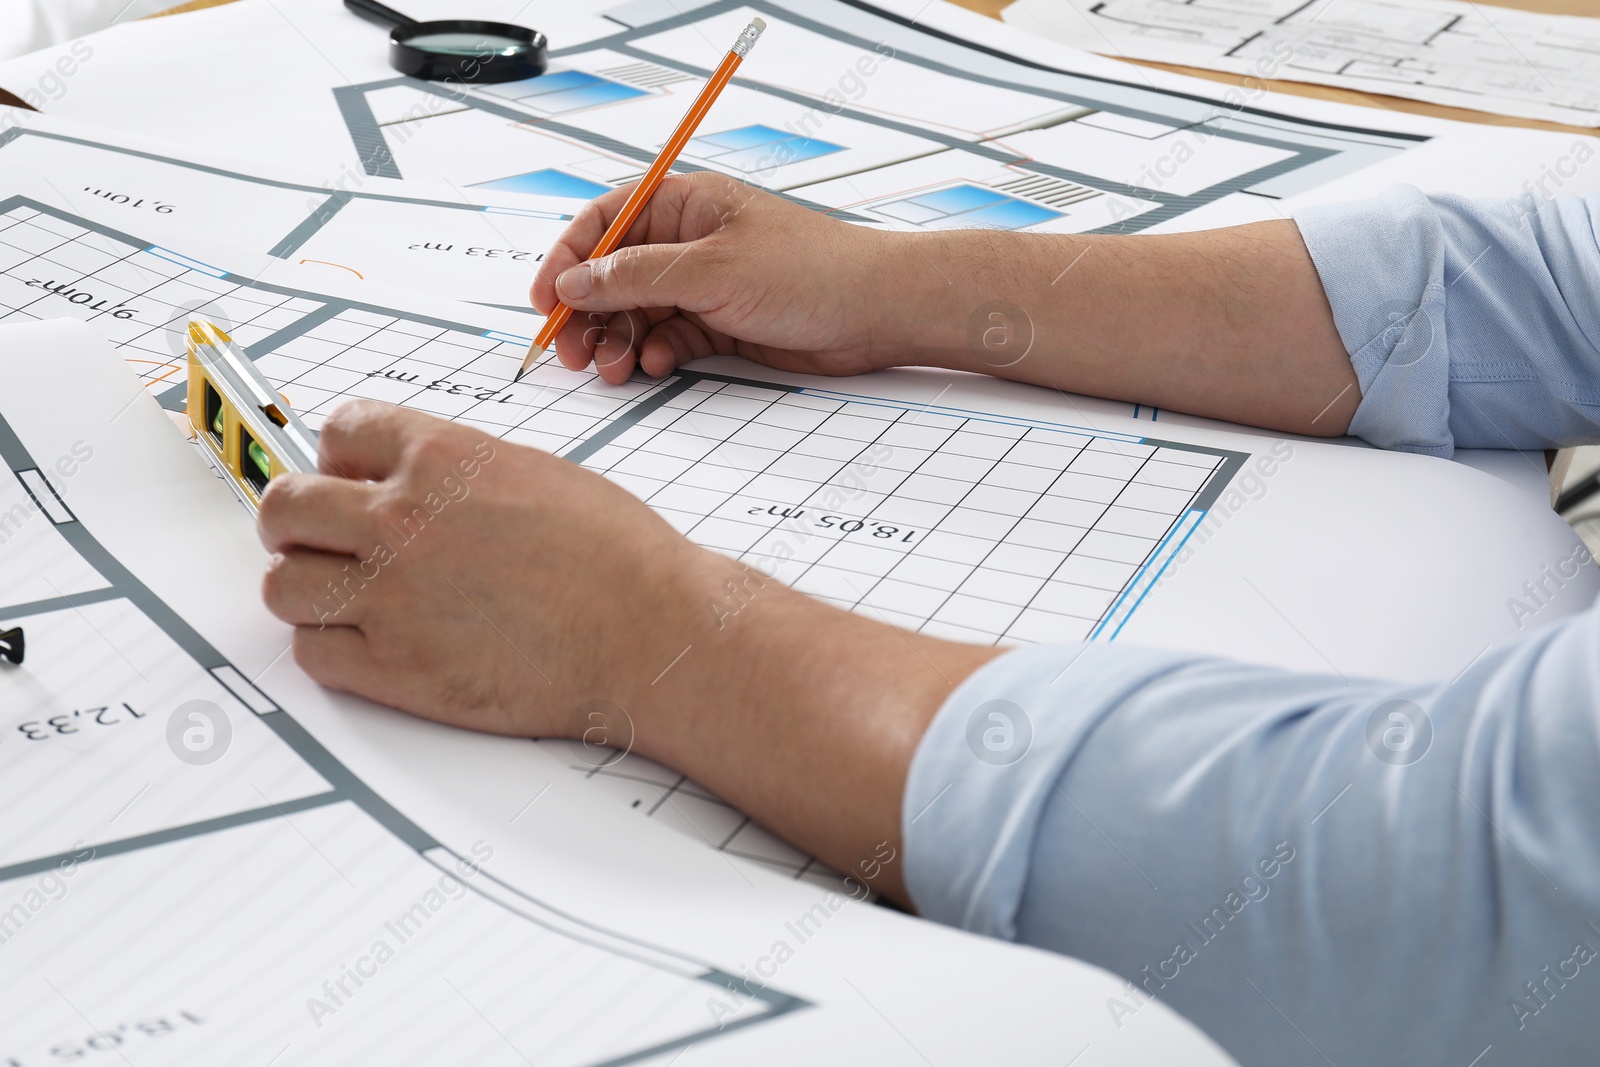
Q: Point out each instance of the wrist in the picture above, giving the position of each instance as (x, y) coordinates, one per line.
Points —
(952, 299)
(803, 715)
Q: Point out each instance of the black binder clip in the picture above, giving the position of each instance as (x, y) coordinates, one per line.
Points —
(11, 644)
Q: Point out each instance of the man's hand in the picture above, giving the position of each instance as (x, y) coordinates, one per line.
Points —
(713, 266)
(499, 588)
(471, 581)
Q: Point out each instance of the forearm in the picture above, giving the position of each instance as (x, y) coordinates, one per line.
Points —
(1231, 323)
(804, 716)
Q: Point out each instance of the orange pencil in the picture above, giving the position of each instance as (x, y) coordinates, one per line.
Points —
(652, 177)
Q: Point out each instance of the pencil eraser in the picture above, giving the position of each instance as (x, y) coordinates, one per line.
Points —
(759, 24)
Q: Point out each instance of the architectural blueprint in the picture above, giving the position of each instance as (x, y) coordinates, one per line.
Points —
(215, 860)
(921, 118)
(434, 239)
(1451, 52)
(86, 729)
(874, 116)
(852, 112)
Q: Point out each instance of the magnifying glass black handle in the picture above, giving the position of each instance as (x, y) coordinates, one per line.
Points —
(373, 11)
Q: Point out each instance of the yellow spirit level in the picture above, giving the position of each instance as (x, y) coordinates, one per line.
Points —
(243, 425)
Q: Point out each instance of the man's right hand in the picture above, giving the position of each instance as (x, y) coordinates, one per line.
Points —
(714, 266)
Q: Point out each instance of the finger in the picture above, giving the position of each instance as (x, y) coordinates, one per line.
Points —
(363, 439)
(575, 245)
(659, 221)
(337, 657)
(576, 342)
(671, 344)
(306, 588)
(687, 276)
(609, 340)
(617, 347)
(319, 512)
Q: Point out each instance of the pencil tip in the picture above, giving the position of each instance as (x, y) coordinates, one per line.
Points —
(520, 373)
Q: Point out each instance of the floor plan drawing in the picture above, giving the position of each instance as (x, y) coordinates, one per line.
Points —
(853, 111)
(1486, 57)
(295, 212)
(106, 653)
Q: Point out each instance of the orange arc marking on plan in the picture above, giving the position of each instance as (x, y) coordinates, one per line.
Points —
(175, 368)
(341, 266)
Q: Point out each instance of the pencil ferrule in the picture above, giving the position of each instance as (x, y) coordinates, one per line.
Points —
(748, 38)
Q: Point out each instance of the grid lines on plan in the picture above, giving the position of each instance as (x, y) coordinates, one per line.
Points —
(112, 276)
(452, 372)
(664, 795)
(960, 526)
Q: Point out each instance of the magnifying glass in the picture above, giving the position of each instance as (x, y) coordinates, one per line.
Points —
(459, 50)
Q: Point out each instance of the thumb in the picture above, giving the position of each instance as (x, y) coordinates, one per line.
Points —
(641, 276)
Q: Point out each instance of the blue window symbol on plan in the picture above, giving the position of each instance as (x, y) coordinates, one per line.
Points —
(966, 206)
(755, 148)
(562, 91)
(547, 182)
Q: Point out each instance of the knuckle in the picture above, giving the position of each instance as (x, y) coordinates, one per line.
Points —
(716, 254)
(588, 214)
(282, 492)
(279, 501)
(306, 653)
(275, 581)
(717, 182)
(345, 417)
(346, 422)
(393, 508)
(622, 269)
(437, 446)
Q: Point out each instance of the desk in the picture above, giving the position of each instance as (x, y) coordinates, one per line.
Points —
(1347, 96)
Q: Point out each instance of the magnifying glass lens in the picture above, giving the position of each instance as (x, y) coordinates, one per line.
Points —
(457, 50)
(467, 44)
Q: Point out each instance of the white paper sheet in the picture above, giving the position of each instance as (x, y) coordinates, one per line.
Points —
(340, 883)
(1048, 138)
(433, 238)
(1449, 52)
(929, 117)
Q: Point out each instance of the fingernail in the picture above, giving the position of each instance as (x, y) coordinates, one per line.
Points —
(576, 281)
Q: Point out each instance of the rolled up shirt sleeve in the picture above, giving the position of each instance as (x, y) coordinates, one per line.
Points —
(1312, 869)
(1470, 324)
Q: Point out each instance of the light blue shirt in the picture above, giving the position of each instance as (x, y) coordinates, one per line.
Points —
(1312, 871)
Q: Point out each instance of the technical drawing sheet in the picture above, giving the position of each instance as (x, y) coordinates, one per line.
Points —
(432, 238)
(906, 115)
(1451, 52)
(214, 860)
